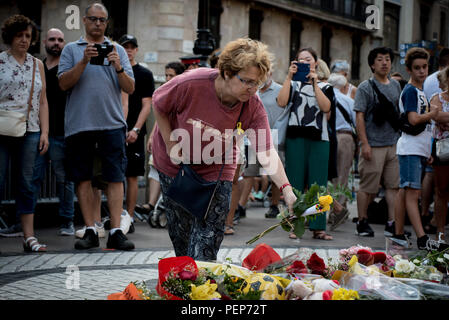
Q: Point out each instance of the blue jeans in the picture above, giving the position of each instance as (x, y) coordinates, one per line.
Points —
(22, 152)
(411, 170)
(64, 188)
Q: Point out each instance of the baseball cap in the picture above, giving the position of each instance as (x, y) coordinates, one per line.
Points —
(128, 38)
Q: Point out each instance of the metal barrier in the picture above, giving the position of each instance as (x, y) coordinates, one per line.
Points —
(48, 188)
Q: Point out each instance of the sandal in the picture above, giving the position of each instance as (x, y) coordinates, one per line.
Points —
(229, 231)
(430, 229)
(145, 208)
(292, 236)
(322, 235)
(32, 245)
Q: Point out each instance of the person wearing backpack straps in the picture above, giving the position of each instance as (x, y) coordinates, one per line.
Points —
(22, 80)
(413, 150)
(378, 160)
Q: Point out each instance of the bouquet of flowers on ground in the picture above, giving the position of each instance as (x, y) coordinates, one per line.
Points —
(317, 200)
(365, 256)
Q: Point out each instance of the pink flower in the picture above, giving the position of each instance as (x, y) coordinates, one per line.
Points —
(187, 275)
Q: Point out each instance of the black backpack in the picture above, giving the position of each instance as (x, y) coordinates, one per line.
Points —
(385, 110)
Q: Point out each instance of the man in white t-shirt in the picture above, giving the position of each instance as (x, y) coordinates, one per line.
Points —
(432, 85)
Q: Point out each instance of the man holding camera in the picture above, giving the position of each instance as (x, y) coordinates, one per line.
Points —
(378, 160)
(94, 71)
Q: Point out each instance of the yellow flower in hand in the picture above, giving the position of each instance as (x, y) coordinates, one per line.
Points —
(205, 291)
(325, 202)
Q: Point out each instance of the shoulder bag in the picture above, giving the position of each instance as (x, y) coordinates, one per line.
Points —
(191, 192)
(13, 123)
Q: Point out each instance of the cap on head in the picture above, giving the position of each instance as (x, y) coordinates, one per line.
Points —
(127, 38)
(189, 60)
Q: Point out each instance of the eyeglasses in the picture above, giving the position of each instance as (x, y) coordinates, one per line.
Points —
(249, 83)
(94, 19)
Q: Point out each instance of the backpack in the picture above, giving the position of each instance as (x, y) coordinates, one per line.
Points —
(385, 110)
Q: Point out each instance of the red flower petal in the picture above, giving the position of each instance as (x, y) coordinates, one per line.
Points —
(379, 257)
(316, 264)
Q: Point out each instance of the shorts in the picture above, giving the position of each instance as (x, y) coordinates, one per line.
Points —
(411, 170)
(135, 153)
(252, 167)
(153, 174)
(383, 167)
(108, 145)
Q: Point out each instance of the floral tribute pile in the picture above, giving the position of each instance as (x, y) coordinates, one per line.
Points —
(358, 273)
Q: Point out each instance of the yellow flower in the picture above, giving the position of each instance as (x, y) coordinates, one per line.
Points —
(354, 266)
(343, 294)
(205, 291)
(325, 202)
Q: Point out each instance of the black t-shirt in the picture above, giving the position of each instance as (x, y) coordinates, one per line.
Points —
(144, 88)
(56, 102)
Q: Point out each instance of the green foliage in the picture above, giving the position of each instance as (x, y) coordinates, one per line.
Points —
(296, 222)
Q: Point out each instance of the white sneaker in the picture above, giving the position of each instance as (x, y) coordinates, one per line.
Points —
(125, 221)
(98, 226)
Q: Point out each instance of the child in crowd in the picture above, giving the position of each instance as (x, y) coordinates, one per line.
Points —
(413, 150)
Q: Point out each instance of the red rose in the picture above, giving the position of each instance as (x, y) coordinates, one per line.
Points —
(385, 268)
(379, 257)
(327, 295)
(365, 257)
(297, 267)
(187, 275)
(316, 264)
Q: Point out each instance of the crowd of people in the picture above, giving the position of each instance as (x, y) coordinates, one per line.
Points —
(87, 103)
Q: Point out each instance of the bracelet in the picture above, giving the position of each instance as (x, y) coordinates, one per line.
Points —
(121, 70)
(284, 186)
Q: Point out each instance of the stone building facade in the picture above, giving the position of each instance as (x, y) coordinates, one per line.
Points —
(336, 29)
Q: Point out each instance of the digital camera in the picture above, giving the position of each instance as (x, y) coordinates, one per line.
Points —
(103, 50)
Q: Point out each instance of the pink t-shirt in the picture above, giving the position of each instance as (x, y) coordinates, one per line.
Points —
(205, 126)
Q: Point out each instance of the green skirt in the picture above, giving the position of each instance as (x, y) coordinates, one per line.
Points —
(306, 163)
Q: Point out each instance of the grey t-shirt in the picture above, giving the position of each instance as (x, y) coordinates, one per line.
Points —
(384, 135)
(277, 116)
(94, 103)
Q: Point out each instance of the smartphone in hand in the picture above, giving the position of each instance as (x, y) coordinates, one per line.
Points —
(302, 73)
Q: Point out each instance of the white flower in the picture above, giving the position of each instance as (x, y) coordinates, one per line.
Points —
(446, 256)
(404, 266)
(434, 277)
(397, 257)
(440, 260)
(416, 261)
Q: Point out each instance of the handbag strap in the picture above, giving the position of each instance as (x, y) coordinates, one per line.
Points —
(30, 100)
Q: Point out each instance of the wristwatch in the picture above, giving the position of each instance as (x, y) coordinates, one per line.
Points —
(121, 70)
(136, 130)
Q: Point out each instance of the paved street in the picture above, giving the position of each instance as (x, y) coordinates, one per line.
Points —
(52, 275)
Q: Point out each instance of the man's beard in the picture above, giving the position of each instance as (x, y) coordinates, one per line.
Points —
(54, 51)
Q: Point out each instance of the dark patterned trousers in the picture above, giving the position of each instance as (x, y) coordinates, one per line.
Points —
(200, 240)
